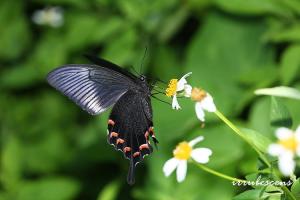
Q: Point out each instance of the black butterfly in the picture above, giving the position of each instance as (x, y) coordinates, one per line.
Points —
(97, 87)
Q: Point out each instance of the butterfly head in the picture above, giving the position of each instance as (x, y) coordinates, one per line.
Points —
(143, 81)
(143, 78)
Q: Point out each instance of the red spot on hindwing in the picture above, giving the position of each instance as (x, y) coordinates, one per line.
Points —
(147, 135)
(144, 146)
(126, 149)
(120, 141)
(151, 131)
(114, 134)
(111, 122)
(136, 154)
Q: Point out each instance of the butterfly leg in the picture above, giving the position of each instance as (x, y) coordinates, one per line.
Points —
(151, 132)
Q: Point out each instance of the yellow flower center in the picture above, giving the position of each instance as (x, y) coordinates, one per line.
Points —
(171, 90)
(290, 143)
(198, 94)
(183, 151)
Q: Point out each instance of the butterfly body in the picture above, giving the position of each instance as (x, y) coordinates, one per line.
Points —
(95, 88)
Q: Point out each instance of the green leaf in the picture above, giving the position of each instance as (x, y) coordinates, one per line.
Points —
(15, 33)
(77, 3)
(132, 10)
(257, 194)
(253, 7)
(122, 50)
(110, 191)
(280, 91)
(280, 115)
(259, 116)
(284, 33)
(11, 163)
(258, 139)
(21, 76)
(249, 195)
(293, 5)
(295, 189)
(52, 188)
(53, 152)
(220, 139)
(212, 62)
(172, 23)
(50, 45)
(89, 29)
(290, 64)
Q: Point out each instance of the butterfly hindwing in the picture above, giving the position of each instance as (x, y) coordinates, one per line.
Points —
(92, 87)
(129, 129)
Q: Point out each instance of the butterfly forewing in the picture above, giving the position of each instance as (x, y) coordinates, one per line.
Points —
(92, 87)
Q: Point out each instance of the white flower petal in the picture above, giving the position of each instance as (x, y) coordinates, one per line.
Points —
(187, 90)
(196, 140)
(186, 75)
(275, 149)
(199, 111)
(52, 16)
(37, 17)
(181, 170)
(208, 103)
(175, 104)
(286, 163)
(170, 166)
(283, 133)
(182, 82)
(201, 155)
(298, 130)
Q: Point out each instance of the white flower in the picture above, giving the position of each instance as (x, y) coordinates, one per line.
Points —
(204, 102)
(175, 87)
(182, 153)
(287, 147)
(52, 16)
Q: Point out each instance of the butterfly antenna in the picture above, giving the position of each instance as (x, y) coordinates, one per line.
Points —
(157, 90)
(132, 68)
(156, 86)
(143, 59)
(131, 173)
(158, 80)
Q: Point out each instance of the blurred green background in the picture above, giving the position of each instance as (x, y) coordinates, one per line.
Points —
(52, 150)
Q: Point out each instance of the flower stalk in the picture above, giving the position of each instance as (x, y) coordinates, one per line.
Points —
(243, 136)
(219, 174)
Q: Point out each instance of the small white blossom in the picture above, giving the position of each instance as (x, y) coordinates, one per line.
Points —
(182, 153)
(176, 87)
(286, 149)
(51, 16)
(204, 102)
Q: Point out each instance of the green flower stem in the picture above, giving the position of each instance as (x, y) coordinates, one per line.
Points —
(284, 188)
(219, 174)
(243, 136)
(288, 193)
